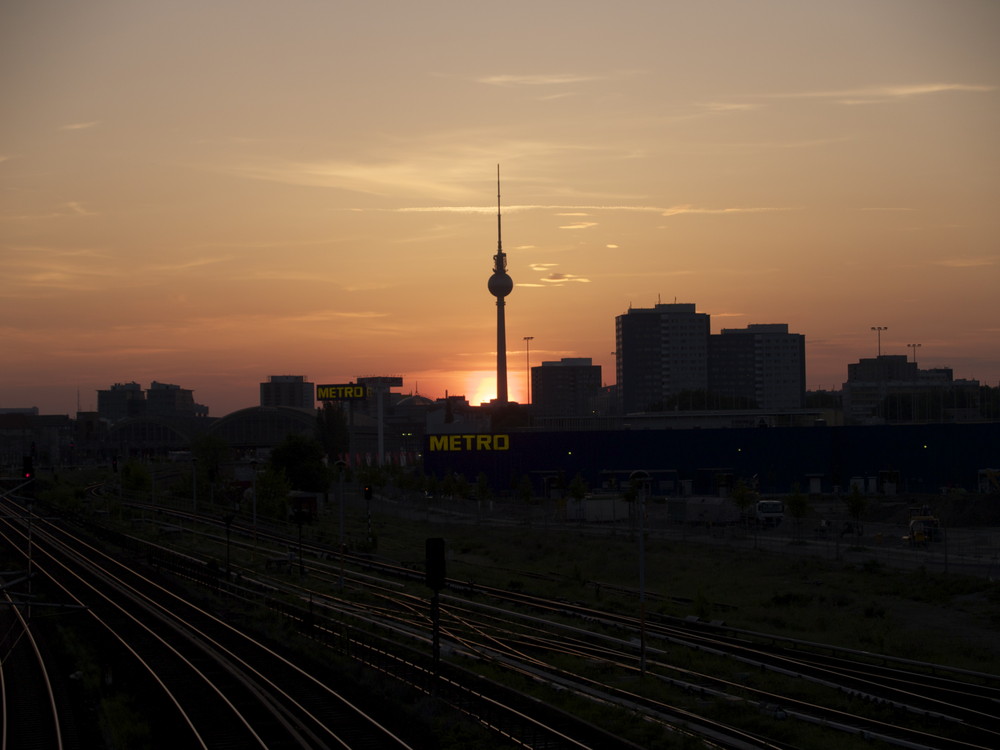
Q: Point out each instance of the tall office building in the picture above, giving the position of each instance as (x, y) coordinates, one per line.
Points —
(168, 400)
(288, 390)
(120, 401)
(567, 388)
(660, 352)
(762, 366)
(889, 388)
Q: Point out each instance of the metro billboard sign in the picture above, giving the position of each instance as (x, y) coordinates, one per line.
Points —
(341, 392)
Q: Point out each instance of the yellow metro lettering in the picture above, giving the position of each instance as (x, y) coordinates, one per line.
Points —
(469, 442)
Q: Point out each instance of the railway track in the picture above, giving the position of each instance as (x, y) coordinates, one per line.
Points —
(219, 687)
(532, 639)
(900, 702)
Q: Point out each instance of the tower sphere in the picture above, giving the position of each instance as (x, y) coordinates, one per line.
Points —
(500, 284)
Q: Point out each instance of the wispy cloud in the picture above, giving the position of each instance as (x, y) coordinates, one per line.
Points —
(75, 208)
(321, 316)
(729, 106)
(590, 209)
(580, 225)
(554, 278)
(189, 264)
(539, 79)
(80, 125)
(688, 209)
(558, 278)
(875, 94)
(967, 262)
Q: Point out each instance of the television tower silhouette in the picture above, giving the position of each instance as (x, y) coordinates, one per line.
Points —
(500, 285)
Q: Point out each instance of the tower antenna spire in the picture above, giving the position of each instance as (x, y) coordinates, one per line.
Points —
(499, 242)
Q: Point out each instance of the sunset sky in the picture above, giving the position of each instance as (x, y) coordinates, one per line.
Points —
(206, 193)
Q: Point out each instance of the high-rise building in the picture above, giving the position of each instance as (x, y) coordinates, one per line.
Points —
(761, 366)
(567, 388)
(120, 401)
(159, 400)
(660, 352)
(288, 390)
(168, 400)
(888, 388)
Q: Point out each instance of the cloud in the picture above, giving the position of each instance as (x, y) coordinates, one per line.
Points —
(80, 125)
(559, 278)
(590, 209)
(371, 179)
(966, 262)
(75, 209)
(580, 225)
(321, 316)
(729, 106)
(876, 94)
(538, 79)
(193, 263)
(688, 209)
(556, 278)
(78, 209)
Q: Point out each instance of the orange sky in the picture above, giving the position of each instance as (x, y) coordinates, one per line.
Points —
(206, 194)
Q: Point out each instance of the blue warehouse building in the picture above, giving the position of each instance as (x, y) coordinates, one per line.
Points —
(920, 458)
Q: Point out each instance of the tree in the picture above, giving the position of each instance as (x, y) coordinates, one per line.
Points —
(482, 487)
(211, 454)
(857, 504)
(578, 487)
(331, 430)
(744, 498)
(135, 476)
(798, 505)
(524, 489)
(300, 459)
(272, 493)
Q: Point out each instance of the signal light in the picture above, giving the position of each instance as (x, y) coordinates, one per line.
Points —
(435, 566)
(28, 467)
(368, 492)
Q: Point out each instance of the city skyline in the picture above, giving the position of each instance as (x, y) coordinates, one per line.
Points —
(208, 195)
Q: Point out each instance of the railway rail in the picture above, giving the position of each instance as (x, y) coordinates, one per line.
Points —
(219, 686)
(556, 647)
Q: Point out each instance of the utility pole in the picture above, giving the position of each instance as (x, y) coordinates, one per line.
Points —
(527, 362)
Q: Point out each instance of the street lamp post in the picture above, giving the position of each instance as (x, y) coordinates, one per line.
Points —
(641, 479)
(913, 348)
(878, 332)
(228, 520)
(341, 467)
(253, 468)
(527, 362)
